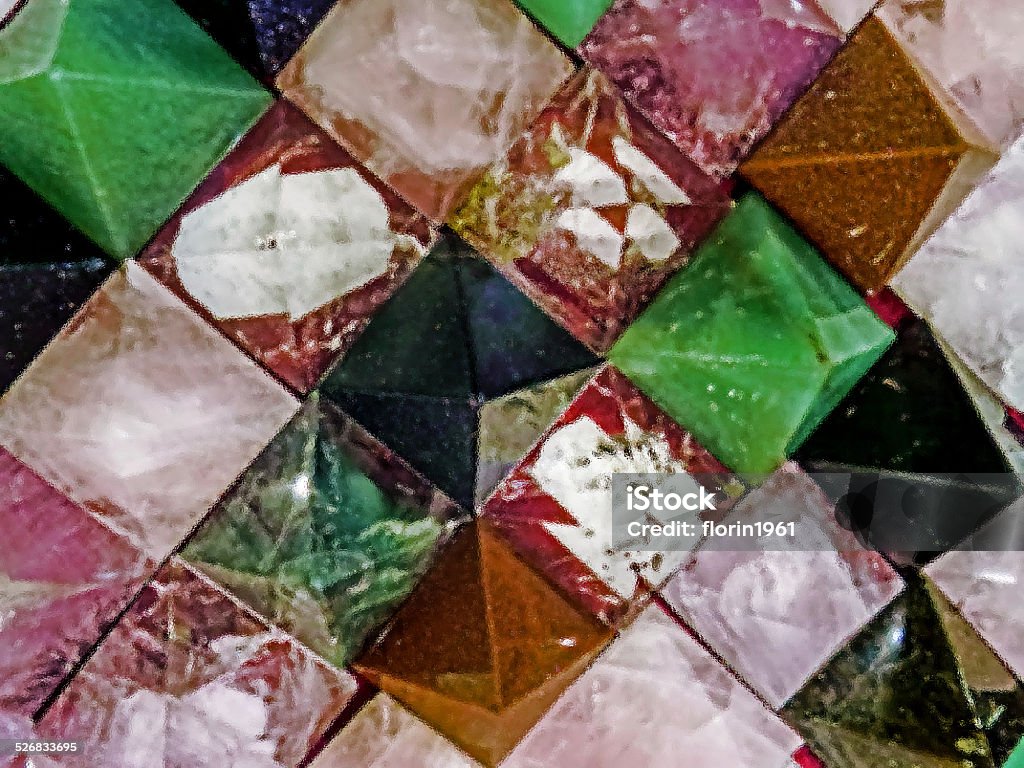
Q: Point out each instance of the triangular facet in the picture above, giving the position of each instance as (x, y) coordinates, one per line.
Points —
(229, 23)
(861, 159)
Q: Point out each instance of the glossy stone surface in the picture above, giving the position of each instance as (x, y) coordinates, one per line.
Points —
(325, 534)
(568, 20)
(262, 35)
(35, 302)
(713, 75)
(967, 283)
(63, 579)
(591, 210)
(970, 48)
(916, 687)
(556, 505)
(653, 697)
(483, 647)
(935, 427)
(794, 601)
(31, 231)
(92, 117)
(754, 343)
(867, 160)
(289, 247)
(426, 93)
(510, 425)
(141, 412)
(847, 13)
(386, 735)
(189, 679)
(455, 335)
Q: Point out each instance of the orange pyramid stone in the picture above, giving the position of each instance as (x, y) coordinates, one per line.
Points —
(868, 160)
(483, 647)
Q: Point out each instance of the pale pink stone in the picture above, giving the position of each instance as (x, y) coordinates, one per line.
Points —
(141, 412)
(386, 735)
(427, 93)
(655, 698)
(973, 50)
(847, 14)
(795, 607)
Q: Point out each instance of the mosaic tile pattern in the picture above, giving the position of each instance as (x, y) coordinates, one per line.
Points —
(321, 475)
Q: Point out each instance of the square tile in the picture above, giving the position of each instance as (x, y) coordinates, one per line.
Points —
(794, 601)
(714, 75)
(426, 93)
(289, 247)
(591, 210)
(325, 534)
(754, 342)
(63, 579)
(115, 129)
(141, 412)
(189, 679)
(556, 505)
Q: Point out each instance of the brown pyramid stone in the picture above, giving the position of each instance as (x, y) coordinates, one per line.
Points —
(483, 647)
(868, 160)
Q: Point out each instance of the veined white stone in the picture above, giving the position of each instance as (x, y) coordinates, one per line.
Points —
(594, 235)
(575, 467)
(650, 233)
(284, 243)
(24, 51)
(591, 181)
(646, 172)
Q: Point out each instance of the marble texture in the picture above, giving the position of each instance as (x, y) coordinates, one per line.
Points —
(141, 412)
(591, 210)
(556, 506)
(189, 679)
(384, 734)
(289, 247)
(752, 600)
(754, 343)
(714, 75)
(651, 698)
(868, 162)
(971, 49)
(426, 93)
(92, 118)
(483, 647)
(63, 579)
(36, 300)
(966, 282)
(325, 534)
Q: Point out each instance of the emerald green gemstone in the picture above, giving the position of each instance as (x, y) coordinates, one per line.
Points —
(113, 111)
(325, 534)
(754, 342)
(1016, 758)
(568, 20)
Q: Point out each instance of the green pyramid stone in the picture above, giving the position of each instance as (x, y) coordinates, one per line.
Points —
(113, 111)
(916, 688)
(325, 534)
(568, 20)
(754, 342)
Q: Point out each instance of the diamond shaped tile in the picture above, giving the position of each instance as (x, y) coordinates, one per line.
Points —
(289, 247)
(568, 20)
(753, 343)
(795, 600)
(714, 75)
(591, 210)
(188, 678)
(483, 647)
(455, 335)
(556, 506)
(63, 579)
(113, 129)
(867, 160)
(426, 93)
(141, 412)
(325, 533)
